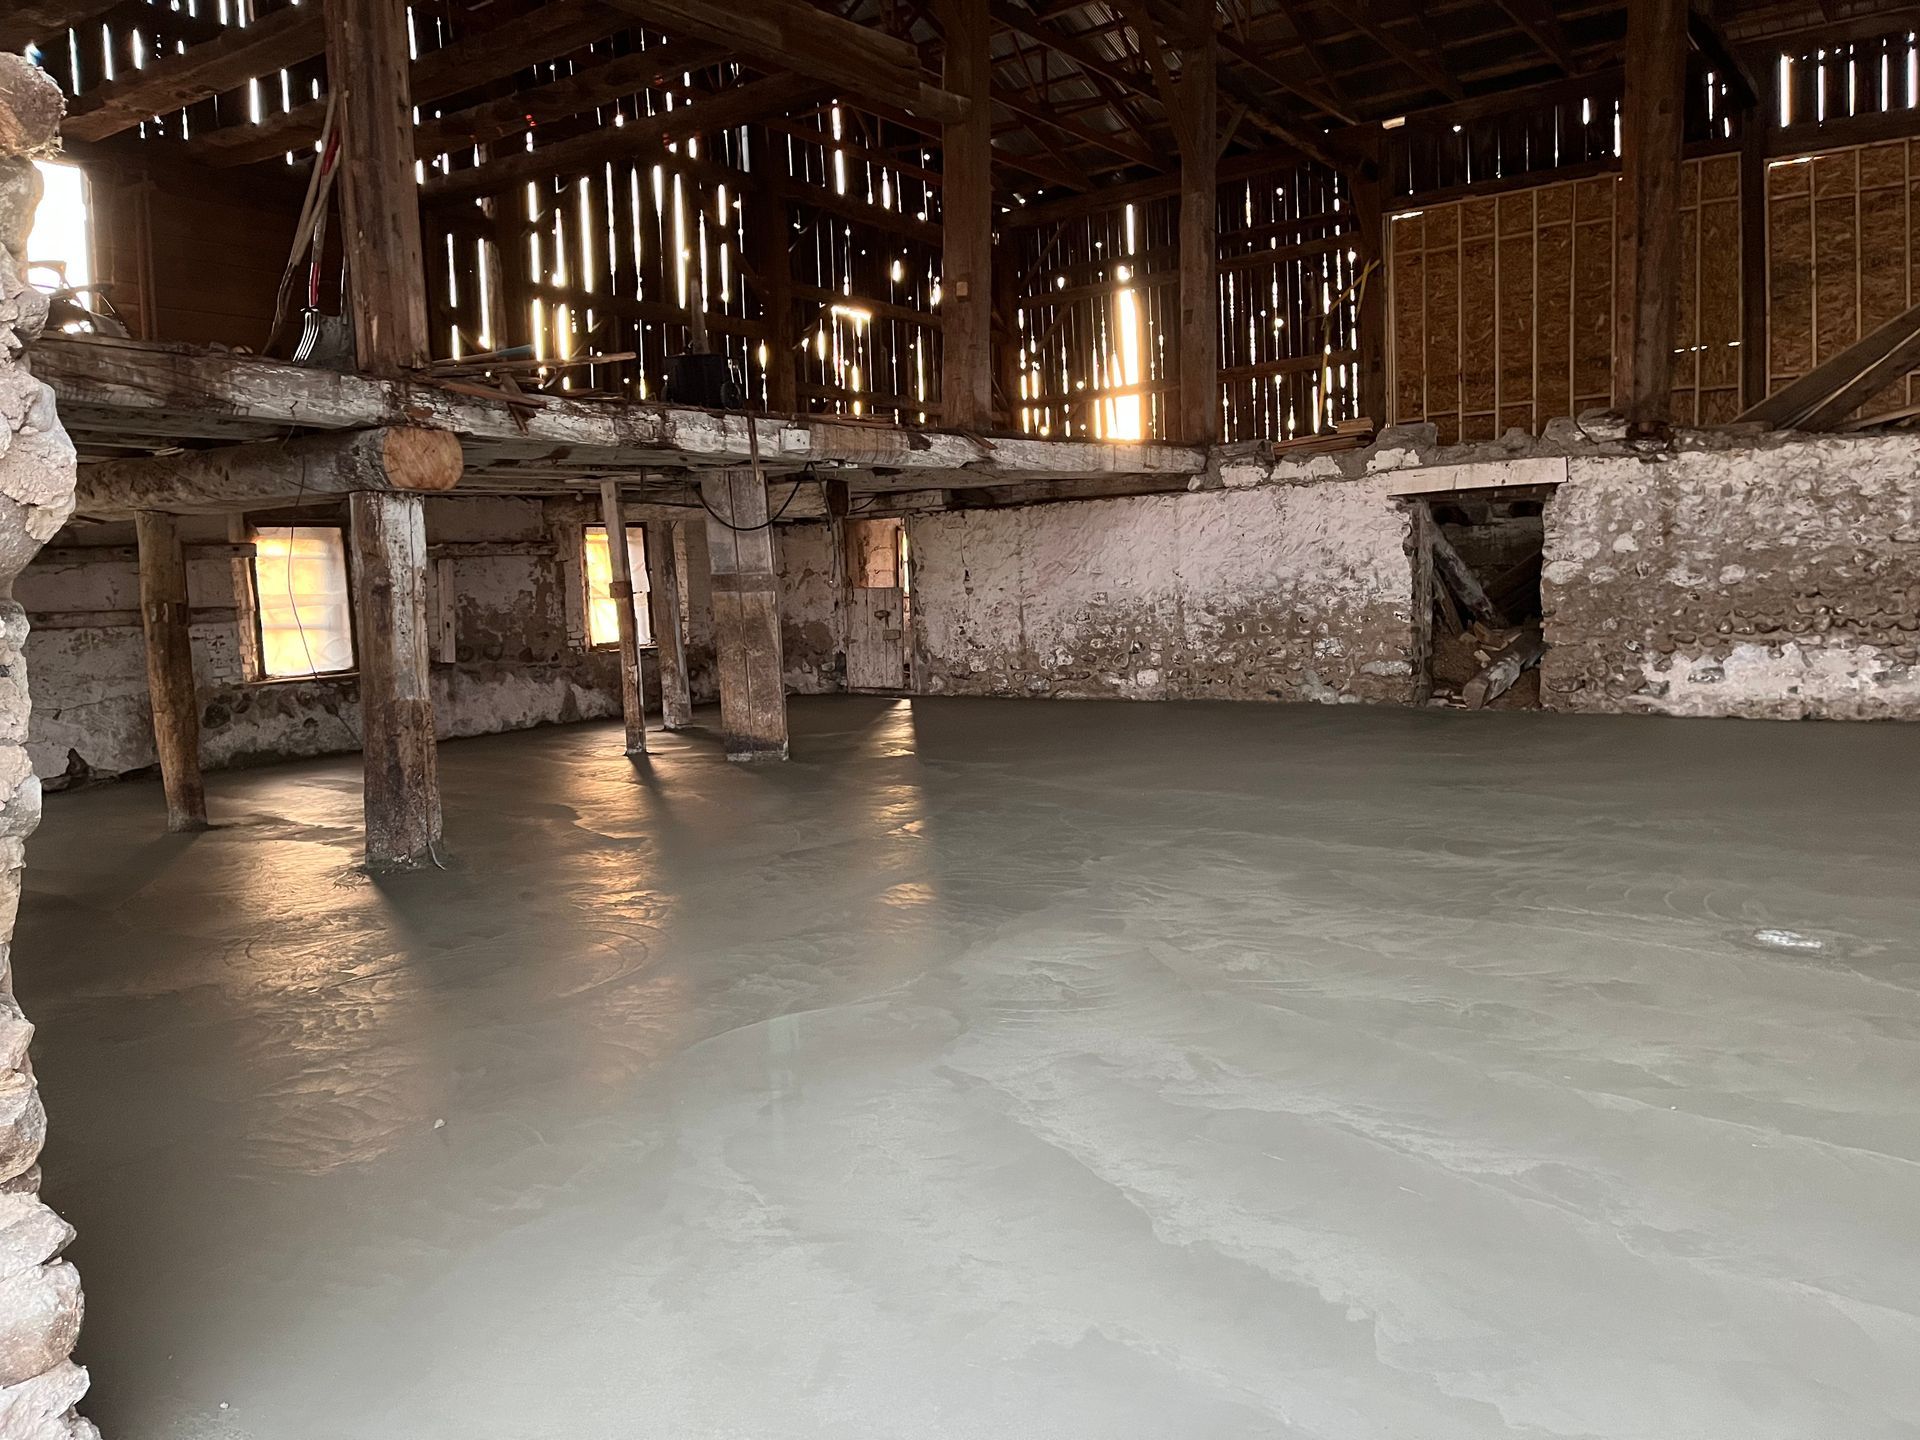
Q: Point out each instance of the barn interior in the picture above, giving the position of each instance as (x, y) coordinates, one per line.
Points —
(538, 533)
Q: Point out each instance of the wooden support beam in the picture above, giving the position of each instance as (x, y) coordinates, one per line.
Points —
(664, 543)
(1192, 101)
(793, 35)
(1464, 583)
(1756, 124)
(246, 604)
(379, 202)
(1537, 19)
(1652, 124)
(746, 616)
(270, 472)
(587, 88)
(552, 30)
(770, 273)
(1370, 233)
(396, 699)
(176, 705)
(966, 213)
(740, 105)
(633, 700)
(188, 76)
(29, 20)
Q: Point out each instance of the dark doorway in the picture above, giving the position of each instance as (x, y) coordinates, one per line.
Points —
(1485, 640)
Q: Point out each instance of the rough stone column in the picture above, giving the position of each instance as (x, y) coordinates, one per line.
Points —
(39, 1292)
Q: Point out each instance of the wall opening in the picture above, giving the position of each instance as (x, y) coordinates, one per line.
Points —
(1485, 620)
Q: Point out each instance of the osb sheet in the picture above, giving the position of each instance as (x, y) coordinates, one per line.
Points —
(1503, 306)
(1842, 256)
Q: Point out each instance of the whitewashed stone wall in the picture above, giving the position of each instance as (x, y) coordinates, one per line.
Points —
(518, 667)
(1776, 582)
(1258, 591)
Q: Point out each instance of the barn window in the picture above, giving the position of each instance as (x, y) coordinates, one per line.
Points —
(300, 586)
(603, 609)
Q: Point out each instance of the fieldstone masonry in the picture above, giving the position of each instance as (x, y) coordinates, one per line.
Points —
(1776, 582)
(40, 1302)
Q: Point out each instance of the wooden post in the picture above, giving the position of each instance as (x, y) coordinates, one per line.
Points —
(1756, 127)
(396, 701)
(1368, 188)
(676, 696)
(1653, 117)
(176, 706)
(966, 222)
(367, 63)
(1199, 420)
(633, 700)
(746, 616)
(246, 604)
(773, 268)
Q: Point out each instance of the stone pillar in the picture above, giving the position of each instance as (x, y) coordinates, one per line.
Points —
(39, 1292)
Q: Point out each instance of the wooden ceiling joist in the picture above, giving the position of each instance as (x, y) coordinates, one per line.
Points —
(793, 35)
(27, 21)
(188, 76)
(586, 89)
(548, 32)
(740, 105)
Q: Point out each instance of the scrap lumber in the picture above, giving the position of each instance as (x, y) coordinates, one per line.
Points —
(1519, 654)
(1464, 583)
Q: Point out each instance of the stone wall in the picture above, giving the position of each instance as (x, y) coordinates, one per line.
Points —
(1779, 582)
(521, 654)
(40, 1301)
(1251, 591)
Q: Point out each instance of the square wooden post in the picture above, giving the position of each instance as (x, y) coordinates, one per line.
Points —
(633, 700)
(746, 616)
(663, 560)
(176, 706)
(966, 222)
(1653, 120)
(396, 699)
(367, 64)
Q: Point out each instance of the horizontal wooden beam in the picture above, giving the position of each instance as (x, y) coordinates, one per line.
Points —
(793, 35)
(234, 477)
(549, 32)
(116, 387)
(188, 76)
(737, 106)
(27, 21)
(586, 89)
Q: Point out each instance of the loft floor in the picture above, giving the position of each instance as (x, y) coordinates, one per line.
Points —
(1006, 1069)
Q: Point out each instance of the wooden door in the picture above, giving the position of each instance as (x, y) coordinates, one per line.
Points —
(876, 639)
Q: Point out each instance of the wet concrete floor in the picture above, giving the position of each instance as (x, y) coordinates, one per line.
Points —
(1008, 1070)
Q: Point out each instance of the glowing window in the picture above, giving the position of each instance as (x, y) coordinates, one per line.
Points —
(603, 611)
(58, 249)
(300, 584)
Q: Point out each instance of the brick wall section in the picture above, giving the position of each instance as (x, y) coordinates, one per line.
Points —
(1776, 583)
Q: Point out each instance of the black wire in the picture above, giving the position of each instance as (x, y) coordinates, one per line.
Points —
(806, 472)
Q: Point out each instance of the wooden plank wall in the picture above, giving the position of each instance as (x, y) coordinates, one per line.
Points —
(1289, 317)
(1502, 305)
(1843, 256)
(863, 295)
(1286, 272)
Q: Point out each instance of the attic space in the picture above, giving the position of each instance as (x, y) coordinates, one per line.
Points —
(1104, 719)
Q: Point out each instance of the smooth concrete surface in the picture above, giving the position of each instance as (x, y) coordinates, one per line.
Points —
(1008, 1070)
